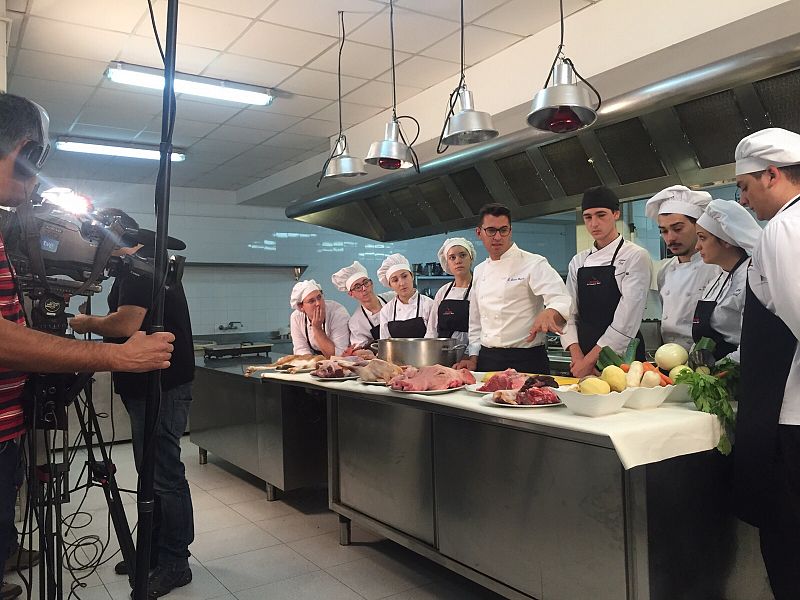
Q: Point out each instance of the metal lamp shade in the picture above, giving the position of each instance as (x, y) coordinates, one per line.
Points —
(468, 126)
(390, 153)
(564, 106)
(344, 165)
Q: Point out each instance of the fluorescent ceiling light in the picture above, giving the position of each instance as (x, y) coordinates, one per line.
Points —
(106, 149)
(195, 85)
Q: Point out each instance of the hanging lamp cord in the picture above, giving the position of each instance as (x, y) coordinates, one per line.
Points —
(335, 152)
(441, 147)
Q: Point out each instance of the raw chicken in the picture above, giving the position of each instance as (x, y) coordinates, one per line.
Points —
(337, 366)
(377, 370)
(436, 377)
(510, 379)
(291, 364)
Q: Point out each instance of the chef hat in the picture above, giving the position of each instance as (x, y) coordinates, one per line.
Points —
(302, 289)
(677, 199)
(391, 265)
(599, 197)
(345, 277)
(731, 222)
(449, 243)
(773, 146)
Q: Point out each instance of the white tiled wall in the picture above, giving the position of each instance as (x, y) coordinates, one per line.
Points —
(259, 297)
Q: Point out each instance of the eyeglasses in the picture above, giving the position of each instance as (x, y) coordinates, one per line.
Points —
(360, 287)
(315, 300)
(493, 231)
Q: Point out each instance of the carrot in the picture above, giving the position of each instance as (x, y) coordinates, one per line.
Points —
(651, 367)
(625, 367)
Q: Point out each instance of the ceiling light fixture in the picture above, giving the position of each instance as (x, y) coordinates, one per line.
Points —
(340, 163)
(468, 126)
(393, 152)
(105, 148)
(194, 85)
(566, 105)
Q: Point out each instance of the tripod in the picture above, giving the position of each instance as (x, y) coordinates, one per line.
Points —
(48, 479)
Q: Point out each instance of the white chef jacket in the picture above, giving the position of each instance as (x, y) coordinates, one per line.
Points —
(360, 325)
(633, 272)
(336, 318)
(727, 316)
(508, 294)
(680, 286)
(771, 277)
(433, 323)
(404, 311)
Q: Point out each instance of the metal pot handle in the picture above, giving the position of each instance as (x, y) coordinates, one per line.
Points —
(458, 347)
(374, 346)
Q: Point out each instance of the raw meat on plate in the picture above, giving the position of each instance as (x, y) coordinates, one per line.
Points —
(436, 377)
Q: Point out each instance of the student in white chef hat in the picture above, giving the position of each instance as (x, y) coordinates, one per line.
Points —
(407, 314)
(726, 236)
(450, 313)
(767, 450)
(682, 278)
(365, 323)
(318, 326)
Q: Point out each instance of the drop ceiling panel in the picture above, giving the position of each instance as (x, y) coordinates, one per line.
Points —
(16, 27)
(359, 60)
(424, 72)
(315, 127)
(111, 117)
(298, 106)
(198, 26)
(17, 5)
(320, 16)
(103, 133)
(245, 69)
(351, 113)
(46, 92)
(72, 40)
(479, 44)
(524, 17)
(451, 9)
(240, 134)
(413, 31)
(142, 50)
(185, 127)
(293, 140)
(281, 44)
(379, 93)
(263, 119)
(126, 100)
(219, 148)
(62, 116)
(154, 138)
(207, 112)
(94, 13)
(245, 8)
(44, 65)
(272, 156)
(319, 84)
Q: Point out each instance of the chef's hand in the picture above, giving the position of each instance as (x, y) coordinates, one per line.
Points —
(80, 323)
(576, 355)
(470, 363)
(318, 318)
(587, 365)
(547, 320)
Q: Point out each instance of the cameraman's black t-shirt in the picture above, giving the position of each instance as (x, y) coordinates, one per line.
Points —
(132, 289)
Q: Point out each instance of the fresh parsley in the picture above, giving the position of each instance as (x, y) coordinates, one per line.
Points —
(711, 394)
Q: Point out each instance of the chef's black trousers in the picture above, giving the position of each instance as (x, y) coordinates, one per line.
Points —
(780, 539)
(524, 360)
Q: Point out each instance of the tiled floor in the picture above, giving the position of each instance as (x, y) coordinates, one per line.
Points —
(247, 548)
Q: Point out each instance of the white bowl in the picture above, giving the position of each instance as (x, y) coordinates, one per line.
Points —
(679, 393)
(593, 405)
(643, 398)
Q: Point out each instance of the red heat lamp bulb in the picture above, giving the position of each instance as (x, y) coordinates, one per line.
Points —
(565, 120)
(390, 163)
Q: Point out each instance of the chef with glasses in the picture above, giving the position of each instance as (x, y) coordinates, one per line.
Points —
(517, 297)
(318, 326)
(365, 324)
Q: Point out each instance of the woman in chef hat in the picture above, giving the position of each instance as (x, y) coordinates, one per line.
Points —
(450, 313)
(407, 314)
(726, 236)
(318, 326)
(365, 324)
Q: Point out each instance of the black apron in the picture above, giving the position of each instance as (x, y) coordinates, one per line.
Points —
(598, 298)
(316, 352)
(410, 328)
(453, 314)
(701, 322)
(374, 330)
(525, 360)
(767, 349)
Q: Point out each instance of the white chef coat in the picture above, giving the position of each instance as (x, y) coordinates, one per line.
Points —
(727, 316)
(633, 272)
(771, 277)
(336, 318)
(508, 294)
(680, 286)
(456, 293)
(360, 325)
(404, 311)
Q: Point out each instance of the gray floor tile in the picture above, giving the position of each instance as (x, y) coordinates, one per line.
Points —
(242, 492)
(313, 586)
(297, 527)
(260, 510)
(259, 567)
(375, 579)
(230, 541)
(465, 590)
(203, 586)
(220, 517)
(325, 550)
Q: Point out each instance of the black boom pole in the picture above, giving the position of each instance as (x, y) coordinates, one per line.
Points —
(145, 491)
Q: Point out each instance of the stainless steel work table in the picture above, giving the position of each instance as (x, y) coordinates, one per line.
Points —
(532, 510)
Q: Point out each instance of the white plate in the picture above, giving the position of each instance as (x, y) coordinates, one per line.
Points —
(306, 370)
(593, 405)
(431, 392)
(345, 378)
(487, 399)
(473, 387)
(383, 383)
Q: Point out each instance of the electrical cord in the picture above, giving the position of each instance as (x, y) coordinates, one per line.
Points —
(441, 147)
(560, 49)
(591, 87)
(341, 137)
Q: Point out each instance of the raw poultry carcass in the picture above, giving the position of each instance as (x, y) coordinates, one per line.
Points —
(377, 370)
(291, 364)
(436, 377)
(337, 366)
(510, 379)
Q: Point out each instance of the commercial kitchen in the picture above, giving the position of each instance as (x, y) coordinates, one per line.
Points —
(311, 488)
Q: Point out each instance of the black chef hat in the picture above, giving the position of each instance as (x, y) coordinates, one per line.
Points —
(599, 197)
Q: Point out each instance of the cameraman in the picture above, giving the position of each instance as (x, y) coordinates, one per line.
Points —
(129, 303)
(23, 148)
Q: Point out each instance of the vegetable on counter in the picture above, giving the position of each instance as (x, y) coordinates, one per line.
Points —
(635, 373)
(630, 352)
(670, 356)
(608, 357)
(711, 395)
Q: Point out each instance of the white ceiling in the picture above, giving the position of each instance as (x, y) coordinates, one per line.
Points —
(60, 49)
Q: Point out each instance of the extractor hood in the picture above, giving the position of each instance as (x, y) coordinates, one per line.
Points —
(682, 130)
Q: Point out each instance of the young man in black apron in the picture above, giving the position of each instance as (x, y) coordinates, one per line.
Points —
(318, 326)
(608, 284)
(517, 297)
(365, 323)
(767, 445)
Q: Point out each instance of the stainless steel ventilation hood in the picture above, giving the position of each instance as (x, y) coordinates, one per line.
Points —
(682, 130)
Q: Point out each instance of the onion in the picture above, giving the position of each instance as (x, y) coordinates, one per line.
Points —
(670, 356)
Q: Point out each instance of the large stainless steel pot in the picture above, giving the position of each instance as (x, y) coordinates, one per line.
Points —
(419, 352)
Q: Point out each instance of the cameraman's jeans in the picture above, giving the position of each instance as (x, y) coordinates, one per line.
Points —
(9, 482)
(173, 521)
